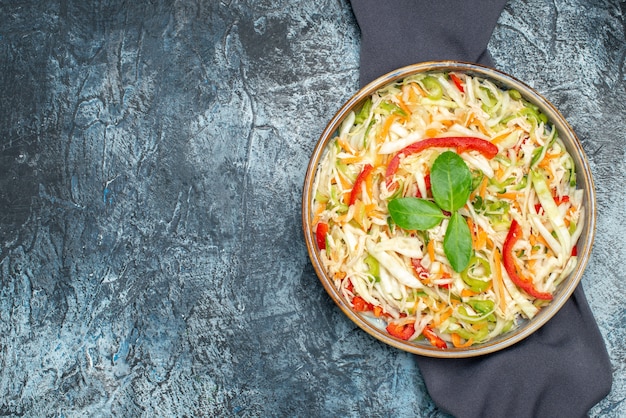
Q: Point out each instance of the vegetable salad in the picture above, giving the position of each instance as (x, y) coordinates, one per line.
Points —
(447, 207)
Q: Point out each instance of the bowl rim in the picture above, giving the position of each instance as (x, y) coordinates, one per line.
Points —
(584, 179)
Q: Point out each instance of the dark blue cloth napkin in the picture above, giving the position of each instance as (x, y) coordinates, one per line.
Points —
(563, 369)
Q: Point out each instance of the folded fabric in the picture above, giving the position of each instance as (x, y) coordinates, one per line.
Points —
(563, 369)
(404, 32)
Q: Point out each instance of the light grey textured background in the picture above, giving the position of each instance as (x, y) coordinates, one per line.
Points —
(152, 156)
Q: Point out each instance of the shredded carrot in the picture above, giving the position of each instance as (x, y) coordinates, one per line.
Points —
(319, 208)
(468, 293)
(479, 325)
(498, 277)
(456, 341)
(381, 160)
(351, 160)
(545, 164)
(417, 302)
(409, 96)
(404, 107)
(470, 224)
(509, 195)
(499, 173)
(547, 158)
(442, 317)
(439, 306)
(378, 311)
(431, 250)
(432, 132)
(345, 183)
(376, 214)
(473, 194)
(501, 137)
(447, 123)
(482, 127)
(386, 126)
(369, 186)
(549, 172)
(476, 190)
(342, 219)
(371, 209)
(481, 238)
(406, 91)
(483, 188)
(416, 89)
(359, 214)
(442, 273)
(468, 118)
(476, 121)
(346, 147)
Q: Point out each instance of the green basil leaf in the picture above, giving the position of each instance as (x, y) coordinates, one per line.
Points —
(451, 181)
(457, 243)
(414, 213)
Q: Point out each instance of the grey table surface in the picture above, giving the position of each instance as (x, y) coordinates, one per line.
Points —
(152, 156)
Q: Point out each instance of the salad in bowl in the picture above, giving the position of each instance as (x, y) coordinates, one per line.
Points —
(449, 209)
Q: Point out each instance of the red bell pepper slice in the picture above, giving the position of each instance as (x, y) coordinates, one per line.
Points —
(356, 189)
(508, 259)
(562, 199)
(557, 200)
(461, 143)
(420, 270)
(360, 305)
(457, 82)
(320, 235)
(433, 338)
(403, 332)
